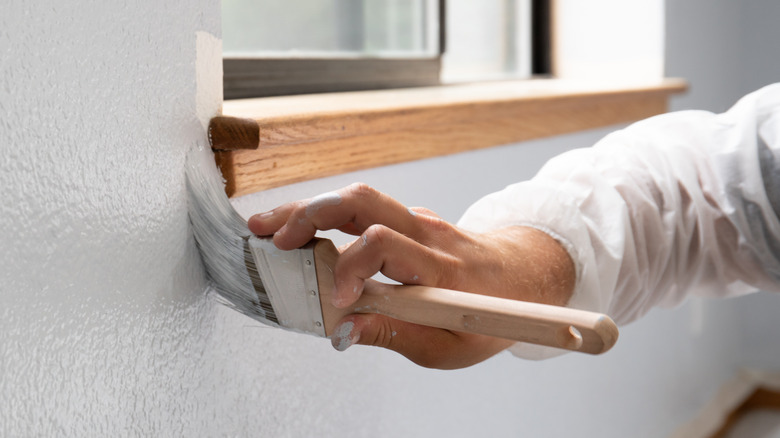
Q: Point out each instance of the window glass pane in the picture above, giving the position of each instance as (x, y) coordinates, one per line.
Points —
(330, 28)
(586, 46)
(487, 39)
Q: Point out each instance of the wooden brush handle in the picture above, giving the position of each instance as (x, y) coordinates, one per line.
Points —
(541, 324)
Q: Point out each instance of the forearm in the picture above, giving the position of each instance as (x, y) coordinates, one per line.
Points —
(534, 266)
(670, 206)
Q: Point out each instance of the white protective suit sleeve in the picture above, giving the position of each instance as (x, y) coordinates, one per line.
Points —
(682, 203)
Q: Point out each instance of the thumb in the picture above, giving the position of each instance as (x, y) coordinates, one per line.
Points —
(426, 346)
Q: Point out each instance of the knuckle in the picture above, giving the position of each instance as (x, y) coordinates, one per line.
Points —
(448, 271)
(443, 227)
(382, 333)
(422, 211)
(362, 190)
(378, 233)
(297, 213)
(385, 335)
(439, 228)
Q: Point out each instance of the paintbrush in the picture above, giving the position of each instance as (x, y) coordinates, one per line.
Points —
(291, 289)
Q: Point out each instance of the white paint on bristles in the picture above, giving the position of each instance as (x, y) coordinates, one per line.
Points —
(239, 272)
(220, 232)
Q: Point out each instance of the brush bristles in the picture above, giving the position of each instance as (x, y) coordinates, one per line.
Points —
(221, 235)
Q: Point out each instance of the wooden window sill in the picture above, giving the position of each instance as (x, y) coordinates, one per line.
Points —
(270, 142)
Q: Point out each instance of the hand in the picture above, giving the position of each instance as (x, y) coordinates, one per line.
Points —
(415, 246)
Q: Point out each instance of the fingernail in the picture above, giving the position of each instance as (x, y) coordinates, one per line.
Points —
(339, 300)
(343, 338)
(336, 299)
(266, 215)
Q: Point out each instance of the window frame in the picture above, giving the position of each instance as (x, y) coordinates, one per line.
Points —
(245, 77)
(271, 142)
(274, 141)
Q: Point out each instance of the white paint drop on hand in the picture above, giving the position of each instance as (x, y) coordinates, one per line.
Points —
(365, 309)
(323, 200)
(342, 338)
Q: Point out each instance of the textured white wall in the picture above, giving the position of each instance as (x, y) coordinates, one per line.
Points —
(105, 327)
(103, 323)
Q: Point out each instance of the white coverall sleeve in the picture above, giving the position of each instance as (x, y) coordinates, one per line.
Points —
(682, 203)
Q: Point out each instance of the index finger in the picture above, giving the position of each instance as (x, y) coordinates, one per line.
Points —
(352, 209)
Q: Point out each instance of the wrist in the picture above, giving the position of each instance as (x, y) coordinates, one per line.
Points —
(529, 265)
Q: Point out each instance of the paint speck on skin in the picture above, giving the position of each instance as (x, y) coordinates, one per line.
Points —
(320, 201)
(415, 278)
(412, 212)
(343, 338)
(364, 309)
(394, 333)
(364, 241)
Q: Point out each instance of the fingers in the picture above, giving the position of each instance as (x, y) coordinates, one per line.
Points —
(380, 249)
(352, 210)
(426, 346)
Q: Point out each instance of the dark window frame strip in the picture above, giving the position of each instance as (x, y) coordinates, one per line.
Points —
(276, 77)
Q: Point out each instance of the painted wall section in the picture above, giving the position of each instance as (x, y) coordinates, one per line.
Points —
(103, 322)
(106, 328)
